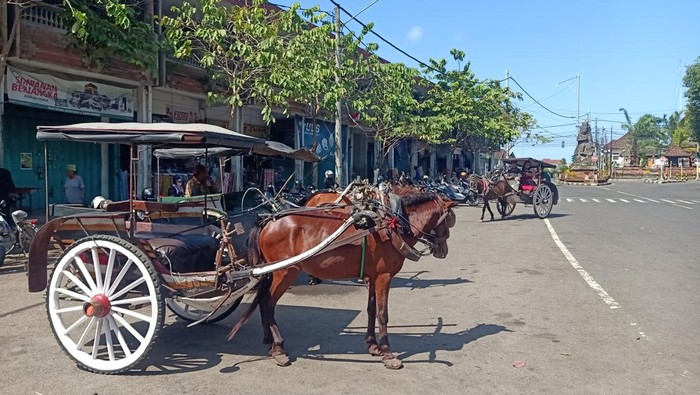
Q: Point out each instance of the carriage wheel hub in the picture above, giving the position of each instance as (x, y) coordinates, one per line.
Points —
(98, 306)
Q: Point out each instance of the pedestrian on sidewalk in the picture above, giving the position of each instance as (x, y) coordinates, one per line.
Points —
(73, 186)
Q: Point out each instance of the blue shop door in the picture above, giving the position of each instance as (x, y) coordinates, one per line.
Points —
(24, 156)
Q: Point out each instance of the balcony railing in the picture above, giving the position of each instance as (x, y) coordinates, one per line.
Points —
(44, 15)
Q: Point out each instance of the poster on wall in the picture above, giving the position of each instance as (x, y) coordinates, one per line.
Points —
(325, 135)
(25, 161)
(76, 97)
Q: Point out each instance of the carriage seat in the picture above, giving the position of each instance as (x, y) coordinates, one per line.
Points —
(187, 253)
(528, 187)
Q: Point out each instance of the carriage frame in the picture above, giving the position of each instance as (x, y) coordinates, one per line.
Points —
(542, 195)
(121, 265)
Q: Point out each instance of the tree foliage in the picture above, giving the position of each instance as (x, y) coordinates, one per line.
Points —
(463, 107)
(691, 81)
(386, 103)
(248, 49)
(113, 29)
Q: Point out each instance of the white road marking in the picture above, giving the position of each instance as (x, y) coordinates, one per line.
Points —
(639, 200)
(596, 200)
(583, 200)
(668, 201)
(587, 277)
(607, 189)
(685, 201)
(652, 200)
(569, 200)
(611, 201)
(625, 200)
(696, 201)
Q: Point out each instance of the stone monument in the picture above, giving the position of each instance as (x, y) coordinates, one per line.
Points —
(583, 170)
(585, 148)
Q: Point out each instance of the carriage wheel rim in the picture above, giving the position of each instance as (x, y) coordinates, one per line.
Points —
(543, 201)
(123, 325)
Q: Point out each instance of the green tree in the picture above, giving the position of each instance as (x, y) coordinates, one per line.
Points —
(247, 48)
(113, 29)
(466, 109)
(691, 81)
(387, 104)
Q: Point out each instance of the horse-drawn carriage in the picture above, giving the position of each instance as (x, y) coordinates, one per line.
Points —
(520, 180)
(121, 266)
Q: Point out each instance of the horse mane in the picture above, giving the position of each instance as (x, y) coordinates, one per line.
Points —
(413, 199)
(305, 200)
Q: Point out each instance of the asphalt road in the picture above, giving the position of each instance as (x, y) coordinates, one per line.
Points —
(505, 313)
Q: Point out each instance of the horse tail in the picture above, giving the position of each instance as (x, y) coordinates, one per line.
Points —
(255, 258)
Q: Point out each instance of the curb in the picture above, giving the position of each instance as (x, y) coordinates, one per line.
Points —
(653, 181)
(585, 184)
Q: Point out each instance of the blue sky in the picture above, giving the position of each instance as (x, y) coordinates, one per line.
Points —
(627, 52)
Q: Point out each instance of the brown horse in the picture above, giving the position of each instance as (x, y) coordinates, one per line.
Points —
(488, 190)
(429, 217)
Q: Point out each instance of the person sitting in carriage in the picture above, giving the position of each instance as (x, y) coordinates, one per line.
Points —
(527, 178)
(200, 183)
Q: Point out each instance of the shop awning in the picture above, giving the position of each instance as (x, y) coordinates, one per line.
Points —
(167, 135)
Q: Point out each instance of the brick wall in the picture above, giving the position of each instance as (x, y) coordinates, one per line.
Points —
(51, 45)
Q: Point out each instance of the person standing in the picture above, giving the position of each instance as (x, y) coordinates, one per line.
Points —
(279, 179)
(7, 193)
(73, 186)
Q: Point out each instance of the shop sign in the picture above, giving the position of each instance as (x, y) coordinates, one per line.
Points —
(76, 97)
(256, 130)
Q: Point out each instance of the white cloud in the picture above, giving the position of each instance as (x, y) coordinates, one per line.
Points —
(415, 33)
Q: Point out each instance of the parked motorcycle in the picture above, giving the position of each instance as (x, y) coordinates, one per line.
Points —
(15, 238)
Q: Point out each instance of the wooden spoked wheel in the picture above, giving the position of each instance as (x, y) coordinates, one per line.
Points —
(504, 207)
(543, 200)
(104, 304)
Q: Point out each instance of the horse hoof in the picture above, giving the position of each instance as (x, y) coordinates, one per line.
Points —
(374, 350)
(393, 363)
(314, 281)
(281, 359)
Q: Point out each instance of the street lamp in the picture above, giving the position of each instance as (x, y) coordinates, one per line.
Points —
(578, 91)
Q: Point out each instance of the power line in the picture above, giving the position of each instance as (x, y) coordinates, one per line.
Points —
(385, 40)
(535, 100)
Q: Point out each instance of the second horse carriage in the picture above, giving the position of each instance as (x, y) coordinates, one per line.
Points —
(520, 180)
(122, 265)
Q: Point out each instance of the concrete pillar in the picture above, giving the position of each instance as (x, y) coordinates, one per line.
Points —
(237, 161)
(433, 163)
(144, 104)
(414, 153)
(2, 121)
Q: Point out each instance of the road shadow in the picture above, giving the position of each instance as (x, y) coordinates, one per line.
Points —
(409, 345)
(180, 349)
(310, 333)
(419, 283)
(13, 264)
(522, 217)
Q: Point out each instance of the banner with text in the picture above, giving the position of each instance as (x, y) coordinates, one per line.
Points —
(77, 97)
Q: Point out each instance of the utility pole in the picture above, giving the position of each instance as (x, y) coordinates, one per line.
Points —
(597, 153)
(611, 150)
(508, 146)
(338, 106)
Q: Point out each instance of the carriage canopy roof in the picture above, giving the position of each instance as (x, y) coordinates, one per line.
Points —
(166, 135)
(533, 162)
(271, 148)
